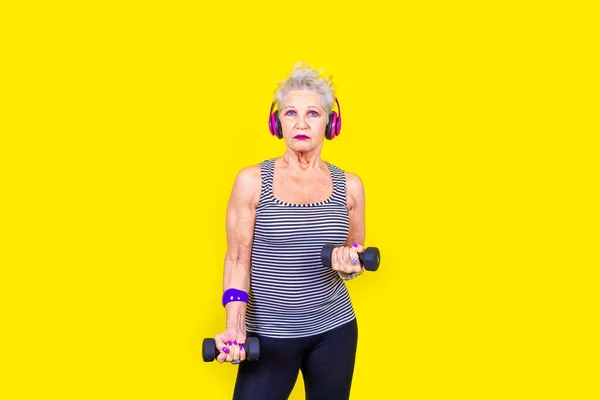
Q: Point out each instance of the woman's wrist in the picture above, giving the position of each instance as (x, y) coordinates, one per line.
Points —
(236, 315)
(348, 277)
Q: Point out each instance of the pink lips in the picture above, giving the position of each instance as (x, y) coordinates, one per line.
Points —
(301, 137)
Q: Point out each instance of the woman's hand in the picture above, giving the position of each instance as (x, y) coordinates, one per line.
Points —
(229, 344)
(344, 259)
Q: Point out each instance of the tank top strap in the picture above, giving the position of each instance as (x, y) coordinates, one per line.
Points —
(338, 176)
(267, 168)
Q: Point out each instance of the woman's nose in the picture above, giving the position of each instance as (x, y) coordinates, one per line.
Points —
(301, 122)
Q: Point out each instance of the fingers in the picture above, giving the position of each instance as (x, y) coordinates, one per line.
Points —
(230, 350)
(223, 354)
(242, 353)
(345, 259)
(337, 259)
(238, 354)
(358, 247)
(234, 352)
(224, 351)
(354, 260)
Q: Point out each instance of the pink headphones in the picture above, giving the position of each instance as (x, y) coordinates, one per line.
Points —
(333, 128)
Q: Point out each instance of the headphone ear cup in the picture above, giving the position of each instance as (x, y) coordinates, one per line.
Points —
(338, 124)
(279, 133)
(274, 126)
(272, 122)
(334, 126)
(328, 127)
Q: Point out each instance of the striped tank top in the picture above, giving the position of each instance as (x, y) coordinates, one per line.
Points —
(291, 293)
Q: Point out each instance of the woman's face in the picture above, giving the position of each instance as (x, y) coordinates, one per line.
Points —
(303, 120)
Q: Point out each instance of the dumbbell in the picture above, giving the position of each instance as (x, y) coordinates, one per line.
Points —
(210, 351)
(369, 258)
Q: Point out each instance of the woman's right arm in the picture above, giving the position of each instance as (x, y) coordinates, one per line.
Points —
(240, 219)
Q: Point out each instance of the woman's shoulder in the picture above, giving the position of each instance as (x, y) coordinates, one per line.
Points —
(249, 173)
(248, 178)
(351, 177)
(253, 171)
(354, 183)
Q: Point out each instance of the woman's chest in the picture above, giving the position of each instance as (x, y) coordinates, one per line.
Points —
(294, 190)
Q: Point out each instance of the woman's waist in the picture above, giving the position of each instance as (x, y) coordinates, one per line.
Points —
(297, 296)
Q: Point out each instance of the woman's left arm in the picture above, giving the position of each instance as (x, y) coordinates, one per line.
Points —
(342, 256)
(355, 201)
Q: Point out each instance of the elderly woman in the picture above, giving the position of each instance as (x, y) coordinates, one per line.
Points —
(280, 214)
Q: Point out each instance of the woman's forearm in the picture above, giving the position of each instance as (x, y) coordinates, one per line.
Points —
(236, 276)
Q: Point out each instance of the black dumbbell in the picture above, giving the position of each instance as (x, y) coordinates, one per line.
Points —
(210, 351)
(369, 258)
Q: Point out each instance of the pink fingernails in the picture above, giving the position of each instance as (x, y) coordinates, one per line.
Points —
(354, 244)
(225, 350)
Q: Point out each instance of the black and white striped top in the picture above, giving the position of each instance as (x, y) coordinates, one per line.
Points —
(291, 293)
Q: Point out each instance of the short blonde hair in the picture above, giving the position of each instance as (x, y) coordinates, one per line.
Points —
(304, 77)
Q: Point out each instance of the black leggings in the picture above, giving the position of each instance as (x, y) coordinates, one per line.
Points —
(326, 361)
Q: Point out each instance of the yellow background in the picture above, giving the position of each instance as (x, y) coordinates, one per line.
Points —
(473, 125)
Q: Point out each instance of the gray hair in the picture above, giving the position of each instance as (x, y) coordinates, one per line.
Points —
(304, 77)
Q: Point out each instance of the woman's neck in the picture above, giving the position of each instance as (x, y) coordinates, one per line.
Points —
(301, 160)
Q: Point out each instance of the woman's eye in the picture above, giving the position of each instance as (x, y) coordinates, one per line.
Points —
(290, 112)
(313, 113)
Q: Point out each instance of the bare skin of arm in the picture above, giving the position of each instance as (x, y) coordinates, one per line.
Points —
(355, 200)
(240, 220)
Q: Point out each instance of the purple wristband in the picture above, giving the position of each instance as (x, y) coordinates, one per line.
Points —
(234, 295)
